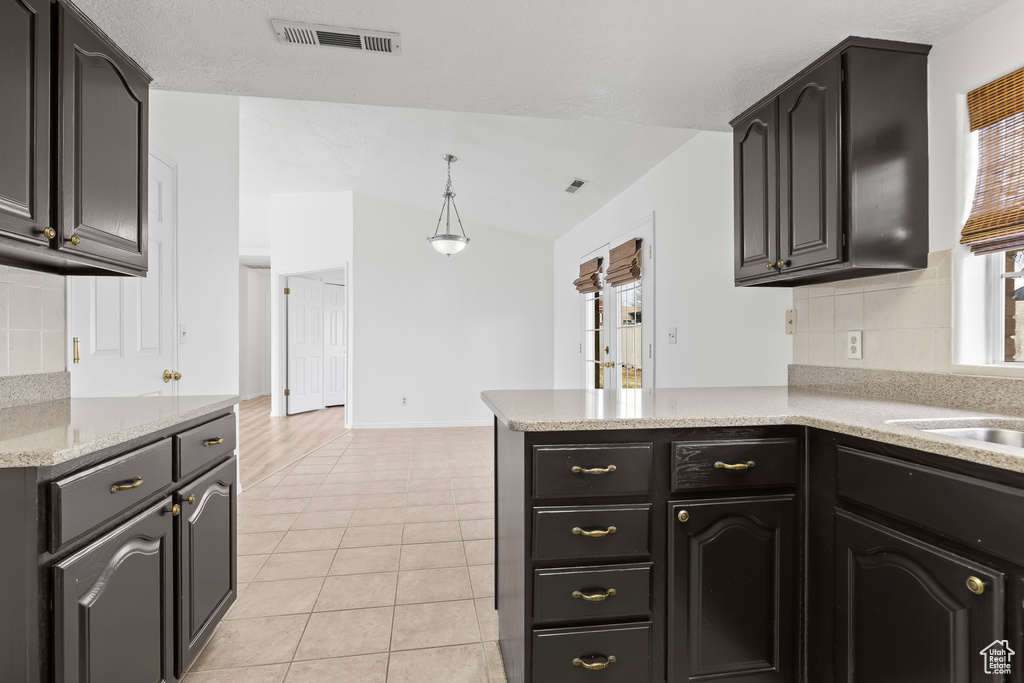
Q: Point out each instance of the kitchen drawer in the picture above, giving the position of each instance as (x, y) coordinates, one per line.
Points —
(734, 464)
(559, 654)
(558, 594)
(582, 471)
(563, 532)
(970, 511)
(82, 501)
(203, 445)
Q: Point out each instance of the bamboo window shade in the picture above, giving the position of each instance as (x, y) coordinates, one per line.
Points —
(996, 111)
(590, 276)
(625, 263)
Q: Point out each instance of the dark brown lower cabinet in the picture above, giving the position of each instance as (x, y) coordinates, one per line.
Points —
(207, 559)
(910, 612)
(611, 654)
(732, 590)
(114, 607)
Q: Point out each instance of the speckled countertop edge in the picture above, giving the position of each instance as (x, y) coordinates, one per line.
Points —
(14, 455)
(889, 431)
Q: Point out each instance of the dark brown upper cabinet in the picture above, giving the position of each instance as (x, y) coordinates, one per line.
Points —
(831, 170)
(73, 176)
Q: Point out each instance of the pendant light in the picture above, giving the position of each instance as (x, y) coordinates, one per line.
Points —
(448, 243)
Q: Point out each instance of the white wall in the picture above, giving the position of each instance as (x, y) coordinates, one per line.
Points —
(439, 330)
(982, 51)
(728, 336)
(253, 332)
(200, 134)
(309, 233)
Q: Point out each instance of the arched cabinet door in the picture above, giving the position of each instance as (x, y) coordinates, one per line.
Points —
(113, 605)
(732, 590)
(208, 567)
(25, 118)
(103, 100)
(909, 611)
(755, 185)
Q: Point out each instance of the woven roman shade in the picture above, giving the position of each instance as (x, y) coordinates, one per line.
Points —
(625, 263)
(590, 277)
(996, 111)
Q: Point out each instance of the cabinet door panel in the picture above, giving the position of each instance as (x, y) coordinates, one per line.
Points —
(810, 230)
(24, 111)
(732, 585)
(905, 613)
(756, 211)
(104, 153)
(207, 558)
(113, 605)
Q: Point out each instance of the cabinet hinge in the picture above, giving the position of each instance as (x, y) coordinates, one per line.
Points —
(287, 290)
(287, 392)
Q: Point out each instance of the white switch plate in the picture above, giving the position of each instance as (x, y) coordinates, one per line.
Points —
(672, 335)
(791, 321)
(854, 345)
(182, 334)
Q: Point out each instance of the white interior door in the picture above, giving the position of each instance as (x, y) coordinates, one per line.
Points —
(334, 345)
(125, 326)
(305, 345)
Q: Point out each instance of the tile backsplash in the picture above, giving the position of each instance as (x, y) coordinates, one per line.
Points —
(906, 320)
(32, 322)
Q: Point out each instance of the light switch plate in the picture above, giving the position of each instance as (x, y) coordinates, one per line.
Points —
(672, 335)
(854, 345)
(791, 321)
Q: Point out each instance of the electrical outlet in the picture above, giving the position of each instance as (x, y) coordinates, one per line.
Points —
(854, 345)
(791, 321)
(672, 335)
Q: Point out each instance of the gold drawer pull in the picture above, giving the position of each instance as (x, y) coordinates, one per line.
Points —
(127, 487)
(594, 597)
(975, 585)
(593, 534)
(748, 465)
(596, 666)
(593, 470)
(213, 442)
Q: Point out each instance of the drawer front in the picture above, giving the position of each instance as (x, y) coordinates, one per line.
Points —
(203, 445)
(85, 500)
(598, 470)
(703, 465)
(559, 654)
(588, 593)
(586, 532)
(967, 510)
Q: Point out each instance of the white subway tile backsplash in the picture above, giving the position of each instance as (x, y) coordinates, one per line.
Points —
(849, 312)
(881, 310)
(802, 308)
(918, 278)
(821, 314)
(3, 305)
(32, 322)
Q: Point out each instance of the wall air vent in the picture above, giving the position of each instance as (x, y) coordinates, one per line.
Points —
(333, 36)
(576, 185)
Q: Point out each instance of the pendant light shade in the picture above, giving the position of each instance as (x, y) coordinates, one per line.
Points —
(448, 243)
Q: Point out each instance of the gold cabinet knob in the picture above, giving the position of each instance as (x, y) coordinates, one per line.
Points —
(176, 510)
(769, 265)
(191, 499)
(779, 264)
(75, 240)
(975, 585)
(683, 516)
(49, 233)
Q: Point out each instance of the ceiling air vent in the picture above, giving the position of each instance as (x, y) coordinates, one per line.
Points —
(333, 36)
(575, 186)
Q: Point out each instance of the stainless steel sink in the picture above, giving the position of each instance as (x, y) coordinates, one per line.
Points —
(1006, 437)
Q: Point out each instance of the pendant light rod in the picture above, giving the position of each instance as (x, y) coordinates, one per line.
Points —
(449, 243)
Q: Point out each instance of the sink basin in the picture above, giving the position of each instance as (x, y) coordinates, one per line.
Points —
(1006, 437)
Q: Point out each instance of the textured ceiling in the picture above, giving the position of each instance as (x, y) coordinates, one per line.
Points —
(512, 170)
(680, 63)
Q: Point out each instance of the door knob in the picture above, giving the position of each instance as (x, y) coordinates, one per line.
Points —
(168, 376)
(177, 376)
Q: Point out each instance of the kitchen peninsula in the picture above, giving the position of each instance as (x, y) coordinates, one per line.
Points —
(768, 534)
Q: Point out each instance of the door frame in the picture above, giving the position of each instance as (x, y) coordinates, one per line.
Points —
(644, 228)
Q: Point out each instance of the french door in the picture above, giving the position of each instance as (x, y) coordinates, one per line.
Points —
(617, 336)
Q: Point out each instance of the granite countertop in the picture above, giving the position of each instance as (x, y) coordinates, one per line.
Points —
(50, 433)
(892, 422)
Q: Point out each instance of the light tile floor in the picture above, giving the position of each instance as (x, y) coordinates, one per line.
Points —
(368, 561)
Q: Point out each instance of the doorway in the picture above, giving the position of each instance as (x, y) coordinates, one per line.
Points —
(317, 341)
(122, 330)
